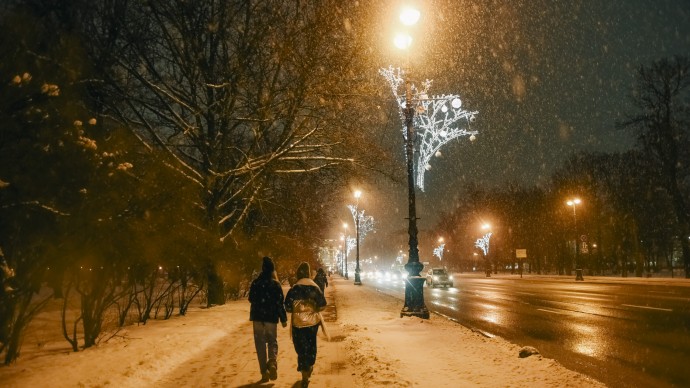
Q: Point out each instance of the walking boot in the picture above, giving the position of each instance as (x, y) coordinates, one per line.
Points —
(272, 369)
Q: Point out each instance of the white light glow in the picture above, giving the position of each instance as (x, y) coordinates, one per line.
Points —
(409, 16)
(402, 41)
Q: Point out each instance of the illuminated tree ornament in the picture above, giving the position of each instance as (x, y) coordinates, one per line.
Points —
(438, 251)
(366, 223)
(483, 243)
(434, 119)
(350, 244)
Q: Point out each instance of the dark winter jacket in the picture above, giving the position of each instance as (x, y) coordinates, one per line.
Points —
(321, 279)
(304, 300)
(266, 297)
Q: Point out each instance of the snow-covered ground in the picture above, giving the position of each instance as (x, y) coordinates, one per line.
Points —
(370, 346)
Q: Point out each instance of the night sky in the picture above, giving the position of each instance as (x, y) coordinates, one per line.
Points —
(549, 78)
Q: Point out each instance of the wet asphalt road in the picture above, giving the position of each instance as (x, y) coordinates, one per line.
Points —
(623, 333)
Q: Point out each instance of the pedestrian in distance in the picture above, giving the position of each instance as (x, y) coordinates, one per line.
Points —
(321, 280)
(267, 308)
(305, 301)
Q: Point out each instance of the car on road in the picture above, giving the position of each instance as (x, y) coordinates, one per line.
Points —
(439, 277)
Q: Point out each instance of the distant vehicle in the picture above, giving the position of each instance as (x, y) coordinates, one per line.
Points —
(439, 277)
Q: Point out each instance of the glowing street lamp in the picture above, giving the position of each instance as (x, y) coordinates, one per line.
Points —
(437, 118)
(409, 16)
(573, 203)
(358, 280)
(483, 244)
(347, 249)
(438, 251)
(414, 295)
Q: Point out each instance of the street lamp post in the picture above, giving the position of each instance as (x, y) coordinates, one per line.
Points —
(578, 271)
(340, 258)
(347, 250)
(358, 280)
(414, 292)
(483, 244)
(437, 123)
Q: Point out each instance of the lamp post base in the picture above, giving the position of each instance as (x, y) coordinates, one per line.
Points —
(414, 298)
(358, 280)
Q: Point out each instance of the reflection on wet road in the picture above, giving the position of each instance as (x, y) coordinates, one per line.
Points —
(620, 333)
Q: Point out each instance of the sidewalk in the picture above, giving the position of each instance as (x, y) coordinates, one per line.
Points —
(370, 346)
(386, 350)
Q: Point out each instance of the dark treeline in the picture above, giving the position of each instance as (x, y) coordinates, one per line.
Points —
(633, 215)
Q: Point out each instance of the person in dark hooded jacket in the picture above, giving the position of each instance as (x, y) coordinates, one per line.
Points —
(266, 298)
(305, 300)
(321, 280)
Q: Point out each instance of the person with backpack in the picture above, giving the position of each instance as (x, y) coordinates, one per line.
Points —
(305, 301)
(267, 308)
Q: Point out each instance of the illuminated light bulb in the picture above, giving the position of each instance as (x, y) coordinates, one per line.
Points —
(457, 103)
(427, 167)
(402, 41)
(409, 16)
(473, 138)
(438, 154)
(443, 133)
(444, 109)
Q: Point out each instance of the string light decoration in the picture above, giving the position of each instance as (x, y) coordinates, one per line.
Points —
(435, 117)
(438, 251)
(483, 243)
(349, 244)
(366, 223)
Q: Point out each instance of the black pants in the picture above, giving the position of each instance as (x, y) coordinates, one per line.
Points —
(304, 339)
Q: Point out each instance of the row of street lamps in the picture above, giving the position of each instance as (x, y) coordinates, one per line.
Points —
(483, 243)
(363, 225)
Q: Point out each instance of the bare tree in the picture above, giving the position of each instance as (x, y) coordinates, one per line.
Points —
(235, 93)
(662, 124)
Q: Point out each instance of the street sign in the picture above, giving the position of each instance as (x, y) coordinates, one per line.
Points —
(521, 253)
(584, 248)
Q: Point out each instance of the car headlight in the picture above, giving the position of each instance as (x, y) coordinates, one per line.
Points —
(450, 277)
(435, 277)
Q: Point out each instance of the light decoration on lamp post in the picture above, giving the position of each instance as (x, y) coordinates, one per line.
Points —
(437, 118)
(349, 244)
(483, 243)
(438, 251)
(364, 225)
